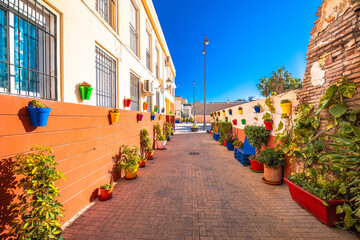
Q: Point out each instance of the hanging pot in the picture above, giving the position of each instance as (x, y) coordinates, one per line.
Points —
(114, 117)
(156, 109)
(127, 102)
(286, 108)
(268, 125)
(152, 117)
(230, 112)
(243, 121)
(240, 111)
(257, 109)
(145, 106)
(85, 92)
(139, 117)
(234, 121)
(39, 116)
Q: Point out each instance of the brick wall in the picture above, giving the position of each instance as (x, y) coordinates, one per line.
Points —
(85, 145)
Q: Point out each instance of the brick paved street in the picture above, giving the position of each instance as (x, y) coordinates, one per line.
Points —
(205, 196)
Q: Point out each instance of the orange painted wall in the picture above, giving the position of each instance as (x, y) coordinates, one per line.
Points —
(84, 141)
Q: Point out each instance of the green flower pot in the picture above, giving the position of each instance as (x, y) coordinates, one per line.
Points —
(85, 92)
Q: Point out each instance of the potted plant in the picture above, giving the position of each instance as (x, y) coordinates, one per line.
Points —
(145, 105)
(223, 112)
(142, 159)
(39, 113)
(127, 101)
(218, 114)
(273, 161)
(240, 110)
(172, 131)
(257, 108)
(217, 119)
(234, 121)
(85, 90)
(160, 116)
(229, 139)
(285, 105)
(106, 192)
(257, 136)
(238, 144)
(194, 128)
(139, 117)
(156, 108)
(167, 131)
(146, 144)
(162, 110)
(243, 121)
(226, 119)
(268, 124)
(160, 138)
(129, 161)
(37, 212)
(114, 115)
(230, 111)
(152, 116)
(171, 113)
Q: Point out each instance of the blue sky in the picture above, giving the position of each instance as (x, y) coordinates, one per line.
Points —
(248, 40)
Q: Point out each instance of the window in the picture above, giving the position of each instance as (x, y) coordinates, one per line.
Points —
(149, 99)
(156, 57)
(148, 53)
(107, 10)
(158, 99)
(133, 29)
(28, 41)
(134, 92)
(105, 79)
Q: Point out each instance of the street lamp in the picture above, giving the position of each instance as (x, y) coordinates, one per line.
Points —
(206, 42)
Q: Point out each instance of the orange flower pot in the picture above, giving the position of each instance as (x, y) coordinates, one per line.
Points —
(145, 106)
(114, 117)
(130, 175)
(105, 194)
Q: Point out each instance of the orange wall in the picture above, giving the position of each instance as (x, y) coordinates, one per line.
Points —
(84, 141)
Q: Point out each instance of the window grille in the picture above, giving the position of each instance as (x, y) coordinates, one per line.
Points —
(158, 100)
(133, 29)
(150, 108)
(134, 92)
(105, 79)
(107, 10)
(28, 39)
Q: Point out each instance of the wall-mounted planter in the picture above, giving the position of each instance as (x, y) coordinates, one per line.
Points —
(152, 117)
(243, 121)
(114, 116)
(39, 116)
(217, 119)
(257, 109)
(234, 121)
(326, 214)
(85, 92)
(127, 102)
(256, 166)
(223, 113)
(139, 117)
(226, 119)
(268, 125)
(286, 108)
(218, 114)
(240, 111)
(160, 117)
(230, 112)
(156, 109)
(163, 110)
(145, 106)
(230, 146)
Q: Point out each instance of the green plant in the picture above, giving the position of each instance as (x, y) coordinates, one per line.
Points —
(107, 186)
(230, 110)
(37, 104)
(37, 212)
(140, 114)
(267, 120)
(239, 108)
(167, 130)
(225, 128)
(114, 110)
(257, 136)
(146, 103)
(257, 105)
(158, 132)
(85, 84)
(229, 138)
(129, 158)
(238, 144)
(145, 141)
(285, 101)
(195, 126)
(271, 158)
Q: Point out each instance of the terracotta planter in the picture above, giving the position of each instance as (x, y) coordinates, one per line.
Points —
(105, 194)
(268, 125)
(286, 108)
(234, 122)
(240, 111)
(326, 214)
(145, 106)
(130, 175)
(161, 145)
(127, 102)
(114, 117)
(149, 155)
(139, 117)
(273, 175)
(142, 164)
(256, 166)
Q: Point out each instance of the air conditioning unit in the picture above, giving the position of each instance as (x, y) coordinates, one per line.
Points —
(168, 61)
(148, 88)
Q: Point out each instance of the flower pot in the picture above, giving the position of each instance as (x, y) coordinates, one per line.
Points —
(39, 116)
(224, 143)
(149, 155)
(273, 175)
(162, 110)
(234, 121)
(194, 129)
(127, 102)
(85, 92)
(223, 113)
(226, 120)
(145, 106)
(240, 111)
(105, 194)
(152, 117)
(161, 145)
(156, 109)
(114, 117)
(268, 125)
(230, 146)
(257, 109)
(243, 121)
(217, 119)
(256, 166)
(139, 117)
(168, 138)
(160, 117)
(286, 107)
(230, 113)
(326, 214)
(130, 175)
(142, 164)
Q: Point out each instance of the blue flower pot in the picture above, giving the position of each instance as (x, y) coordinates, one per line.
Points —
(257, 109)
(162, 110)
(230, 146)
(230, 113)
(152, 117)
(39, 116)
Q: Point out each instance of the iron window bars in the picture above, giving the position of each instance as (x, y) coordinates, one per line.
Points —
(28, 49)
(105, 79)
(134, 92)
(107, 10)
(133, 29)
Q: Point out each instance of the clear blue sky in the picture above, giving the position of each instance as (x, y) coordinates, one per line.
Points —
(248, 40)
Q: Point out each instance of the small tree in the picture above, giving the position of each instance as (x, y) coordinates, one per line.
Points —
(167, 130)
(146, 143)
(158, 131)
(257, 136)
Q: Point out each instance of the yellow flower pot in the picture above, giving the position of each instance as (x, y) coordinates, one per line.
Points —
(130, 175)
(114, 117)
(223, 113)
(160, 117)
(240, 111)
(286, 107)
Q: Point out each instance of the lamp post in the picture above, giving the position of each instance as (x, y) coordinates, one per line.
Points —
(206, 42)
(194, 98)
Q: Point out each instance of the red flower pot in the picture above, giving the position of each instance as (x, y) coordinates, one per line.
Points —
(139, 117)
(149, 155)
(105, 194)
(256, 166)
(326, 214)
(268, 125)
(234, 122)
(127, 102)
(142, 163)
(224, 143)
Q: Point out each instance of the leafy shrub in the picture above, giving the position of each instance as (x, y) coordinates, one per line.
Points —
(129, 158)
(257, 136)
(146, 143)
(238, 144)
(107, 186)
(271, 158)
(285, 101)
(37, 104)
(158, 131)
